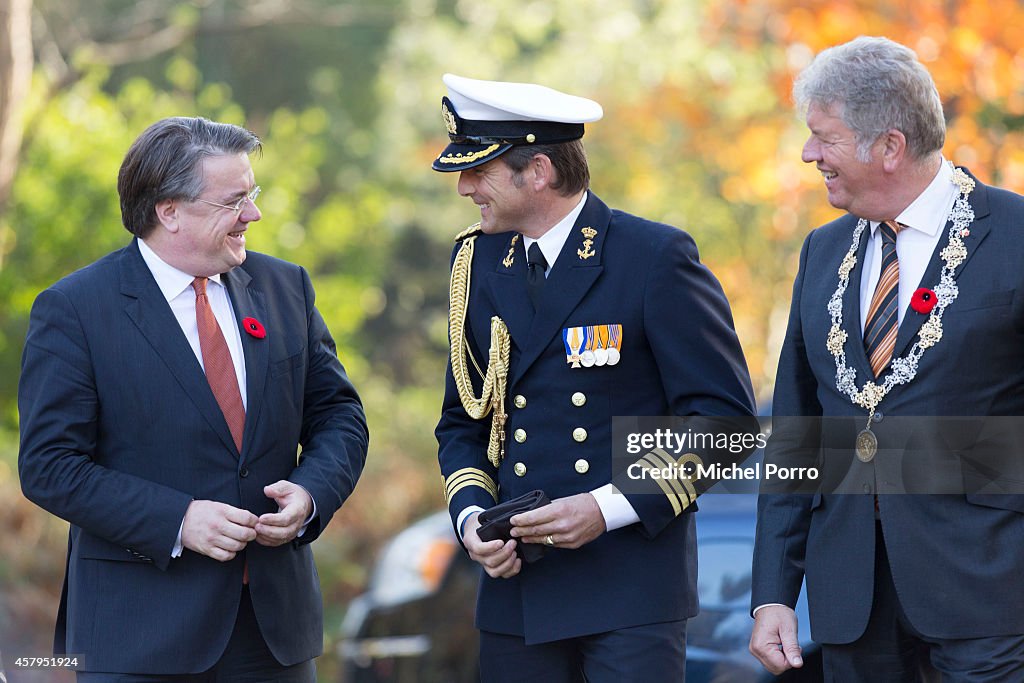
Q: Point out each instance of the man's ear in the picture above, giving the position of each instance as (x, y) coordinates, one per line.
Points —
(167, 212)
(894, 149)
(544, 174)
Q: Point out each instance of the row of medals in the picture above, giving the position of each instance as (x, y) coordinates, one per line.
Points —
(599, 356)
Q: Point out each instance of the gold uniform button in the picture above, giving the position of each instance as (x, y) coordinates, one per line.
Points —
(579, 434)
(519, 469)
(579, 399)
(582, 466)
(520, 401)
(519, 435)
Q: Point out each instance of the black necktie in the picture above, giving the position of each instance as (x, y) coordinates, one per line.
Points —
(536, 267)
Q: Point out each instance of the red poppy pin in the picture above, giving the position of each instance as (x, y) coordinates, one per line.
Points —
(923, 300)
(254, 327)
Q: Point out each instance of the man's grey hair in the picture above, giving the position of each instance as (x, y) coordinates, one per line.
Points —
(164, 163)
(876, 85)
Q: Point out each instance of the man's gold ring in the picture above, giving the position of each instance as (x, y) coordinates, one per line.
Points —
(549, 540)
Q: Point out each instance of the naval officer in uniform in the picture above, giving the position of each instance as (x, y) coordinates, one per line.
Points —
(564, 314)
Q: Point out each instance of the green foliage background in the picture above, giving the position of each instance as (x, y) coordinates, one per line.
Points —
(698, 132)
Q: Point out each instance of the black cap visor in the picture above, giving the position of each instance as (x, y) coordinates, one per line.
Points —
(459, 157)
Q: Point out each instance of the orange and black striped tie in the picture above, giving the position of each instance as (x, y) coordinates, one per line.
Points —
(883, 316)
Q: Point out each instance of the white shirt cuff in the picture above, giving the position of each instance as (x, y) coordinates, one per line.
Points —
(767, 604)
(178, 547)
(311, 516)
(464, 514)
(615, 508)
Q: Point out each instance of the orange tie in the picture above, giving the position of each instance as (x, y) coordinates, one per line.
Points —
(220, 369)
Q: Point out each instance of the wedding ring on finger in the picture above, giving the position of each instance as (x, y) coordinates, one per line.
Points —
(549, 540)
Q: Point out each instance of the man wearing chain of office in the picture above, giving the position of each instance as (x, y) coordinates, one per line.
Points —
(906, 328)
(564, 314)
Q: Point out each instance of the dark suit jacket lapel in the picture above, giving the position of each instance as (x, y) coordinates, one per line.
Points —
(574, 273)
(852, 308)
(147, 308)
(979, 229)
(507, 284)
(249, 302)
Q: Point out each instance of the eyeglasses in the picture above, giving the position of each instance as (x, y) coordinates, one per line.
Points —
(240, 204)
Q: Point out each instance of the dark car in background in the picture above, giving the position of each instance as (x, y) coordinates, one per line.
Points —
(415, 622)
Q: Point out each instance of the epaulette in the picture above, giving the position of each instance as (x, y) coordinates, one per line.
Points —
(469, 232)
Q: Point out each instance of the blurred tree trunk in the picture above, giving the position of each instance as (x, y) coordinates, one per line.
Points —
(15, 76)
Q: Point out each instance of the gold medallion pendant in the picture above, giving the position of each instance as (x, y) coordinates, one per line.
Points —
(867, 445)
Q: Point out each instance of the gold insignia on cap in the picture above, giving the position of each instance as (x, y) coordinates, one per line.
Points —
(531, 138)
(588, 241)
(449, 119)
(461, 158)
(510, 257)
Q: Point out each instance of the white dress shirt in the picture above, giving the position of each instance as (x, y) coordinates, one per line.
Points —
(551, 241)
(615, 507)
(176, 287)
(925, 219)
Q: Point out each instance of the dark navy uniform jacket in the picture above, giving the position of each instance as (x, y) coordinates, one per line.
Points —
(679, 356)
(956, 559)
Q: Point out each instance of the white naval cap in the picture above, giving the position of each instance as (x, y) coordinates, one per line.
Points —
(486, 118)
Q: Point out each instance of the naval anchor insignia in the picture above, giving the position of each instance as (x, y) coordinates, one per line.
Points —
(510, 257)
(588, 241)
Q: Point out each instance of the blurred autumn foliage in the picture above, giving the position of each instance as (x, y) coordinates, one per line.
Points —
(698, 132)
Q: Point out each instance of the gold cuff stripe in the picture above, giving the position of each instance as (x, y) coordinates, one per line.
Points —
(464, 158)
(469, 476)
(679, 493)
(472, 480)
(472, 474)
(659, 459)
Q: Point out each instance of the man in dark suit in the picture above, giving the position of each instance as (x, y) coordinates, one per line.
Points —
(585, 313)
(906, 312)
(165, 390)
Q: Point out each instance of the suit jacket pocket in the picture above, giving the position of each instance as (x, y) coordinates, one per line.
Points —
(1014, 502)
(980, 300)
(993, 484)
(94, 548)
(289, 364)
